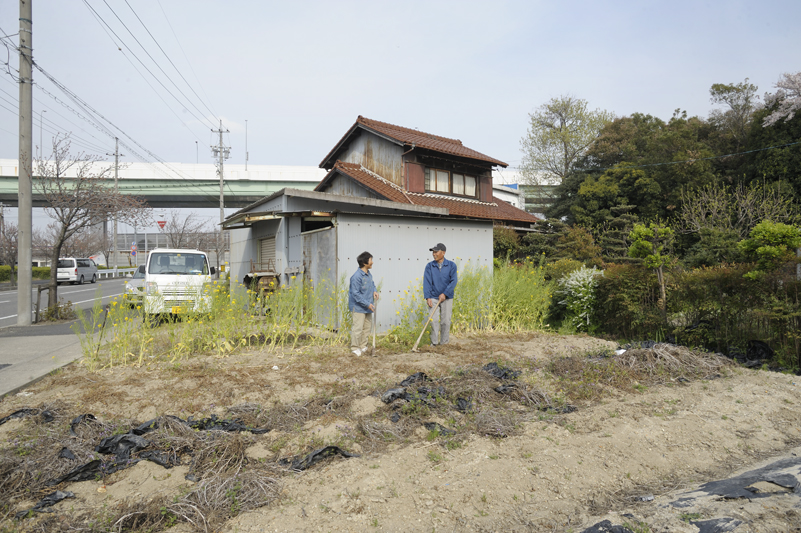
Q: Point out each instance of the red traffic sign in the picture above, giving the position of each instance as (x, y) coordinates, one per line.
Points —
(161, 223)
(133, 249)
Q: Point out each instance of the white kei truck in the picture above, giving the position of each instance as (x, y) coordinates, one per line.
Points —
(177, 281)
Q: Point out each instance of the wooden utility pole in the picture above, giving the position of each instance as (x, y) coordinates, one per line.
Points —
(25, 194)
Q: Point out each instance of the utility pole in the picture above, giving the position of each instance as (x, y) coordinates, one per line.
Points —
(25, 194)
(116, 190)
(221, 151)
(246, 146)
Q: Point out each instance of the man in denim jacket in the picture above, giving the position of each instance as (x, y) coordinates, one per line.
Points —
(361, 295)
(439, 282)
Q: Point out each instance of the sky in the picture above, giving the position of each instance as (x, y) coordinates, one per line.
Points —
(295, 75)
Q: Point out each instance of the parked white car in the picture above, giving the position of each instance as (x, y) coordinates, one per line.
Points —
(135, 288)
(177, 281)
(76, 270)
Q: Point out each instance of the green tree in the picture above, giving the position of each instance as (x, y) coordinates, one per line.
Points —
(559, 133)
(505, 242)
(578, 243)
(770, 244)
(734, 120)
(640, 161)
(718, 216)
(613, 235)
(651, 244)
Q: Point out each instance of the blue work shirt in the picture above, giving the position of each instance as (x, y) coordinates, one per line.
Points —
(360, 295)
(438, 280)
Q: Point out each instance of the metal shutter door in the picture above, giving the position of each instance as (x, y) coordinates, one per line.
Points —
(267, 253)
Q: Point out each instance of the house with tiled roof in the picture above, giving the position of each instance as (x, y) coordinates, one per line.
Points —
(381, 160)
(392, 191)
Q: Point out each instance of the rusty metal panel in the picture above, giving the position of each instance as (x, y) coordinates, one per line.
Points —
(399, 246)
(377, 154)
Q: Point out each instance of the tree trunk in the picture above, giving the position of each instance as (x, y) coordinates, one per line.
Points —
(662, 295)
(52, 294)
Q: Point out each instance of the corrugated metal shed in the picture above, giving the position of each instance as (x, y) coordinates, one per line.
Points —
(400, 251)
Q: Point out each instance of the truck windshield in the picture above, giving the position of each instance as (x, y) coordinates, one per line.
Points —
(178, 263)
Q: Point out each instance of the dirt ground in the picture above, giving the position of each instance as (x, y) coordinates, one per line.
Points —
(519, 462)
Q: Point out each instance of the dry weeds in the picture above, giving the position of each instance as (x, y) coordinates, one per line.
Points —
(462, 399)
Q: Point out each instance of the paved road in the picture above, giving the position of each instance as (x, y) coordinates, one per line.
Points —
(81, 296)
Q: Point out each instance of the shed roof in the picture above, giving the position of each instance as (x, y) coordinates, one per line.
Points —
(466, 207)
(408, 137)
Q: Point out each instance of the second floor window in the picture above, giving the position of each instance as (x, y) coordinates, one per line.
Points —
(446, 182)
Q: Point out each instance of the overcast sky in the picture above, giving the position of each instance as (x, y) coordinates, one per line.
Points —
(301, 72)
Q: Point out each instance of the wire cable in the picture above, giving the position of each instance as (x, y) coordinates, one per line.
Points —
(199, 119)
(168, 59)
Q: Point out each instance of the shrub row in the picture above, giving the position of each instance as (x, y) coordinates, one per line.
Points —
(38, 273)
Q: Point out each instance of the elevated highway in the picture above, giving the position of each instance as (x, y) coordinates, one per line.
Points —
(181, 185)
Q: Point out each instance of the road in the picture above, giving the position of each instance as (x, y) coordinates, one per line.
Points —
(81, 296)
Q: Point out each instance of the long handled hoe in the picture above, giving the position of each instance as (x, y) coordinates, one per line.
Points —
(375, 317)
(425, 326)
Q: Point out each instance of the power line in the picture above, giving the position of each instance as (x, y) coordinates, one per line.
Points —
(184, 54)
(168, 58)
(89, 110)
(97, 15)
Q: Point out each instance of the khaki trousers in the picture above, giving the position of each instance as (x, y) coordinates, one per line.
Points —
(360, 330)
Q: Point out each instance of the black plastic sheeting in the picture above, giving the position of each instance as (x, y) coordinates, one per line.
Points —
(66, 453)
(211, 423)
(606, 527)
(464, 405)
(48, 501)
(93, 470)
(433, 426)
(47, 416)
(716, 525)
(78, 420)
(122, 446)
(739, 486)
(302, 462)
(501, 372)
(417, 377)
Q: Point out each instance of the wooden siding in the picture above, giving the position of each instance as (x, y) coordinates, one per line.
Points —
(415, 177)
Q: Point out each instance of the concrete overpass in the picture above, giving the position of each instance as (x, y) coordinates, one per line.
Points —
(179, 185)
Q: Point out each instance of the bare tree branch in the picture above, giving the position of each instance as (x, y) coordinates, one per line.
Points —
(79, 195)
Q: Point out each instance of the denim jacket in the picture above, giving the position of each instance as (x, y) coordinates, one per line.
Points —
(360, 295)
(438, 280)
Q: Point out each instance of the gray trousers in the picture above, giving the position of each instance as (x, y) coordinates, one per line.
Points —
(441, 323)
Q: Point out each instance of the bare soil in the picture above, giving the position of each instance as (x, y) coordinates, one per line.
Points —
(659, 423)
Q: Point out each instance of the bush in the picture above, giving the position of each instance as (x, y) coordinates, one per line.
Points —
(577, 293)
(561, 268)
(627, 299)
(38, 273)
(505, 242)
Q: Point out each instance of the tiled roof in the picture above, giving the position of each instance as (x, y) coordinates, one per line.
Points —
(466, 207)
(420, 139)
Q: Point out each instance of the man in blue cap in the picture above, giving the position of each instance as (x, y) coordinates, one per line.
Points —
(439, 282)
